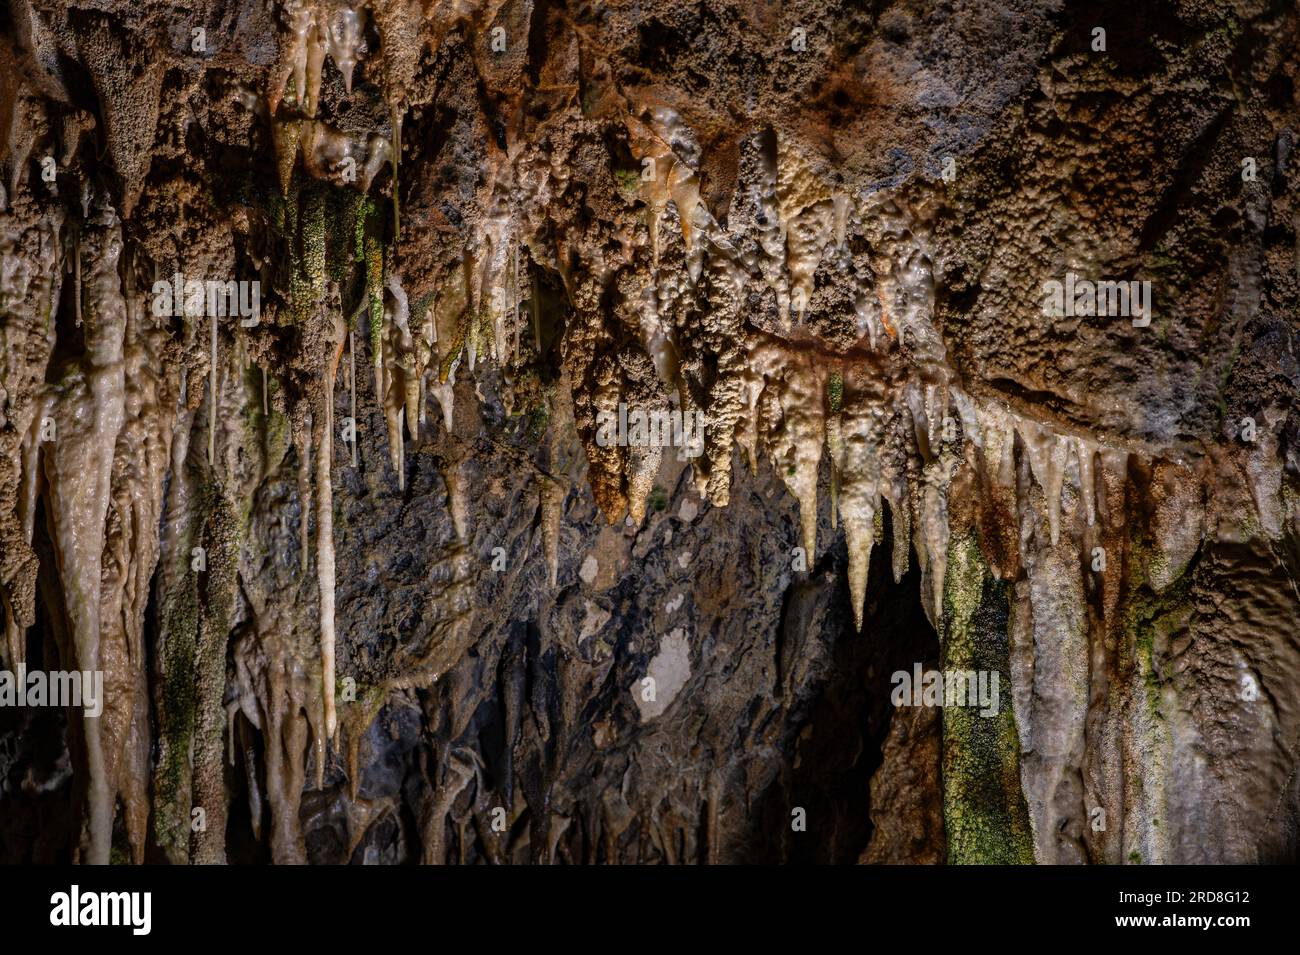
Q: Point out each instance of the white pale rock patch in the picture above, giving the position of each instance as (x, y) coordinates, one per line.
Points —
(588, 569)
(670, 668)
(688, 510)
(675, 604)
(594, 618)
(684, 559)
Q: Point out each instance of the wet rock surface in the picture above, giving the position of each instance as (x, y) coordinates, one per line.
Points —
(410, 554)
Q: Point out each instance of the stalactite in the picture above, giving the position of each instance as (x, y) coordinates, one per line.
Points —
(178, 597)
(212, 395)
(352, 390)
(552, 510)
(303, 439)
(89, 408)
(514, 295)
(860, 497)
(374, 265)
(325, 529)
(33, 276)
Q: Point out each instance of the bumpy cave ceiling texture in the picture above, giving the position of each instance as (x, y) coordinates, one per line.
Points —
(531, 431)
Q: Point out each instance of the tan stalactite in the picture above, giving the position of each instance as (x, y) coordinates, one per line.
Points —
(399, 376)
(213, 374)
(860, 494)
(325, 528)
(552, 510)
(303, 439)
(33, 282)
(89, 409)
(141, 461)
(352, 391)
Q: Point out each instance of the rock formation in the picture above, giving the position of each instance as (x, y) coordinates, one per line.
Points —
(314, 312)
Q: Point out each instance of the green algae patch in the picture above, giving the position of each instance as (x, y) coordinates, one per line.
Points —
(984, 809)
(835, 391)
(372, 254)
(178, 700)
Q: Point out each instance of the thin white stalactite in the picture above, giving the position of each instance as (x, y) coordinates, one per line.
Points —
(401, 449)
(212, 398)
(537, 320)
(515, 284)
(352, 388)
(325, 542)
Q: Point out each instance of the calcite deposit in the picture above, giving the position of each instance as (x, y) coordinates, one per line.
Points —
(364, 575)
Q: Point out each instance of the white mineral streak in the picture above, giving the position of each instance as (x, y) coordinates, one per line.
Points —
(352, 390)
(670, 669)
(1087, 453)
(445, 305)
(325, 532)
(656, 337)
(277, 686)
(445, 392)
(998, 431)
(304, 491)
(331, 154)
(316, 48)
(31, 466)
(835, 455)
(472, 305)
(407, 357)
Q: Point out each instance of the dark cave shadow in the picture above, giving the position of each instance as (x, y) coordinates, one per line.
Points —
(847, 712)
